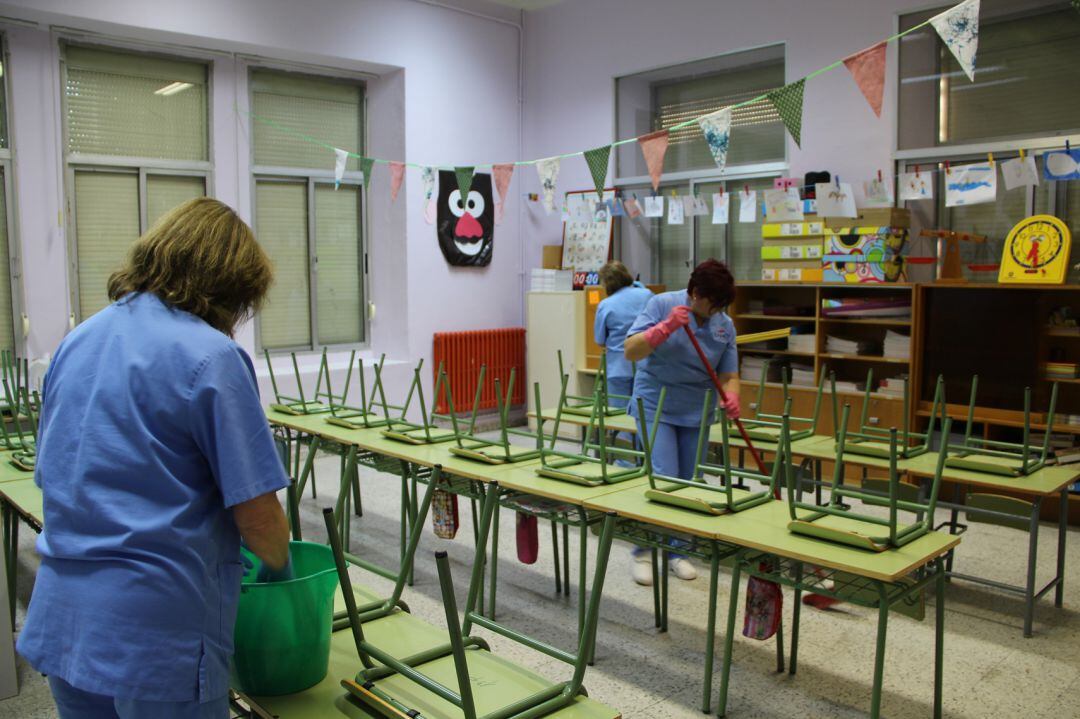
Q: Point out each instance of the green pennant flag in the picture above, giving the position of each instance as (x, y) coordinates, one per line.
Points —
(464, 182)
(788, 101)
(597, 159)
(366, 166)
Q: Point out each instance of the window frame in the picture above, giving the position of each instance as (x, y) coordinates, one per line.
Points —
(314, 176)
(84, 162)
(20, 322)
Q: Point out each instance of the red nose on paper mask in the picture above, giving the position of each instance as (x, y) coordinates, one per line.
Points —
(467, 226)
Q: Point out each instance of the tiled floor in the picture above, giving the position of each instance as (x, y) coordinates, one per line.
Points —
(990, 668)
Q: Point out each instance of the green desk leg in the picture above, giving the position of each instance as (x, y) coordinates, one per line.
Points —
(879, 652)
(1033, 553)
(939, 635)
(1063, 528)
(729, 636)
(795, 612)
(710, 636)
(555, 549)
(664, 573)
(566, 558)
(583, 559)
(494, 557)
(655, 585)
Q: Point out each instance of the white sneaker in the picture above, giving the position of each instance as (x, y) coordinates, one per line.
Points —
(642, 570)
(683, 569)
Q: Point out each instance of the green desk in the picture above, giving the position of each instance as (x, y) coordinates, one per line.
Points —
(765, 548)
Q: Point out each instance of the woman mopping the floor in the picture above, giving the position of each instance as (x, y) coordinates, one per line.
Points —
(667, 359)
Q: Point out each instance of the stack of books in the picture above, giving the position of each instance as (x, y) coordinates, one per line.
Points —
(842, 346)
(897, 345)
(750, 368)
(802, 343)
(1062, 370)
(802, 375)
(866, 307)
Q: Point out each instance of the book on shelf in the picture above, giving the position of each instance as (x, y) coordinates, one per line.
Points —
(802, 343)
(855, 307)
(897, 345)
(893, 386)
(843, 346)
(1061, 370)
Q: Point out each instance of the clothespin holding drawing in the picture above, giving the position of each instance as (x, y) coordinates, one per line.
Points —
(916, 172)
(879, 176)
(947, 168)
(746, 189)
(990, 156)
(1021, 153)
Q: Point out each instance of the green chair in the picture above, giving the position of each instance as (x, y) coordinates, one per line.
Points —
(765, 427)
(583, 467)
(1010, 459)
(302, 405)
(488, 451)
(583, 405)
(367, 415)
(16, 372)
(835, 522)
(462, 678)
(427, 432)
(700, 496)
(23, 442)
(874, 441)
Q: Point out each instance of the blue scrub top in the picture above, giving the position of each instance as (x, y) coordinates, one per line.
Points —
(614, 315)
(675, 363)
(151, 429)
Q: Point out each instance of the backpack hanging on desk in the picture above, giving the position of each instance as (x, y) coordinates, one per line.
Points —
(528, 539)
(764, 608)
(444, 514)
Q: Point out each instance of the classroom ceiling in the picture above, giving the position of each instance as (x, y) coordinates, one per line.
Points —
(528, 4)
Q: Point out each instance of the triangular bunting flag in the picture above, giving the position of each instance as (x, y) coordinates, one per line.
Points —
(597, 160)
(367, 165)
(341, 157)
(548, 170)
(654, 147)
(464, 182)
(502, 174)
(427, 177)
(959, 30)
(788, 101)
(397, 174)
(716, 127)
(868, 69)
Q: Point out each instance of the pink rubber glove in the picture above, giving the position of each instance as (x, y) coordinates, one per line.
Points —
(678, 318)
(731, 405)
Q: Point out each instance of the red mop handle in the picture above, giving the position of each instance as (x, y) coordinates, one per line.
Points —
(723, 398)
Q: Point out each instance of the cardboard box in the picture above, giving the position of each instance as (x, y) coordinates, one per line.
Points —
(874, 216)
(791, 274)
(791, 250)
(552, 257)
(813, 228)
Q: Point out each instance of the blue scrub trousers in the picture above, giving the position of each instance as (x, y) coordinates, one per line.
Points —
(623, 387)
(674, 454)
(74, 703)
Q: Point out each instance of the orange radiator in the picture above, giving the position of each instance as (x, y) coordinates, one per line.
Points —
(463, 353)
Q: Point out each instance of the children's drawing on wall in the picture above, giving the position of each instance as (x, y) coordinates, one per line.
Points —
(748, 206)
(970, 184)
(676, 212)
(1062, 165)
(916, 186)
(783, 205)
(835, 199)
(466, 225)
(878, 193)
(1019, 172)
(654, 206)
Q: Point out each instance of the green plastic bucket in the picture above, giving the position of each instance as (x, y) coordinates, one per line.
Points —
(283, 629)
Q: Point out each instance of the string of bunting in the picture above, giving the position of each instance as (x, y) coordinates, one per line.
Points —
(958, 28)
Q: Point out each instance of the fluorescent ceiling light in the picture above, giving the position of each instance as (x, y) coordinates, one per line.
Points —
(172, 88)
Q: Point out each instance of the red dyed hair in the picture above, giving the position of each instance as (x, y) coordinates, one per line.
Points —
(713, 281)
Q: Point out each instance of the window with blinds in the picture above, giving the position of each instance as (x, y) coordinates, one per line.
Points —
(135, 126)
(312, 231)
(127, 105)
(1027, 68)
(664, 98)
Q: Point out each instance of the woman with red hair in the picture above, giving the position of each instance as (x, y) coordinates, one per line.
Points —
(667, 360)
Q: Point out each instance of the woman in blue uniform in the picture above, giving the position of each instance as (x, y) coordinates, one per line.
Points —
(667, 359)
(624, 302)
(154, 459)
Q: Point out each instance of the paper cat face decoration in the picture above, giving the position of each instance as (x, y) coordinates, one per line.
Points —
(465, 225)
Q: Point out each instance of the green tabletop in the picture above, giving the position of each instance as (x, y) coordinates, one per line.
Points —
(618, 423)
(525, 479)
(26, 498)
(9, 472)
(765, 528)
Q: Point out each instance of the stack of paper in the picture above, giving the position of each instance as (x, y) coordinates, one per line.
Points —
(802, 375)
(802, 343)
(750, 368)
(1062, 370)
(842, 346)
(897, 345)
(845, 386)
(893, 386)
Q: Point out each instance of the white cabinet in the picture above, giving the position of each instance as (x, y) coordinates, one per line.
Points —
(554, 321)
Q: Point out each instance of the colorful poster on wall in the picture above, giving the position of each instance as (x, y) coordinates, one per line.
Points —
(970, 184)
(916, 186)
(587, 237)
(465, 226)
(835, 199)
(783, 205)
(1062, 165)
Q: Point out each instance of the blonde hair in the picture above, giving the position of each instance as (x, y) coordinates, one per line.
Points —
(614, 276)
(200, 257)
